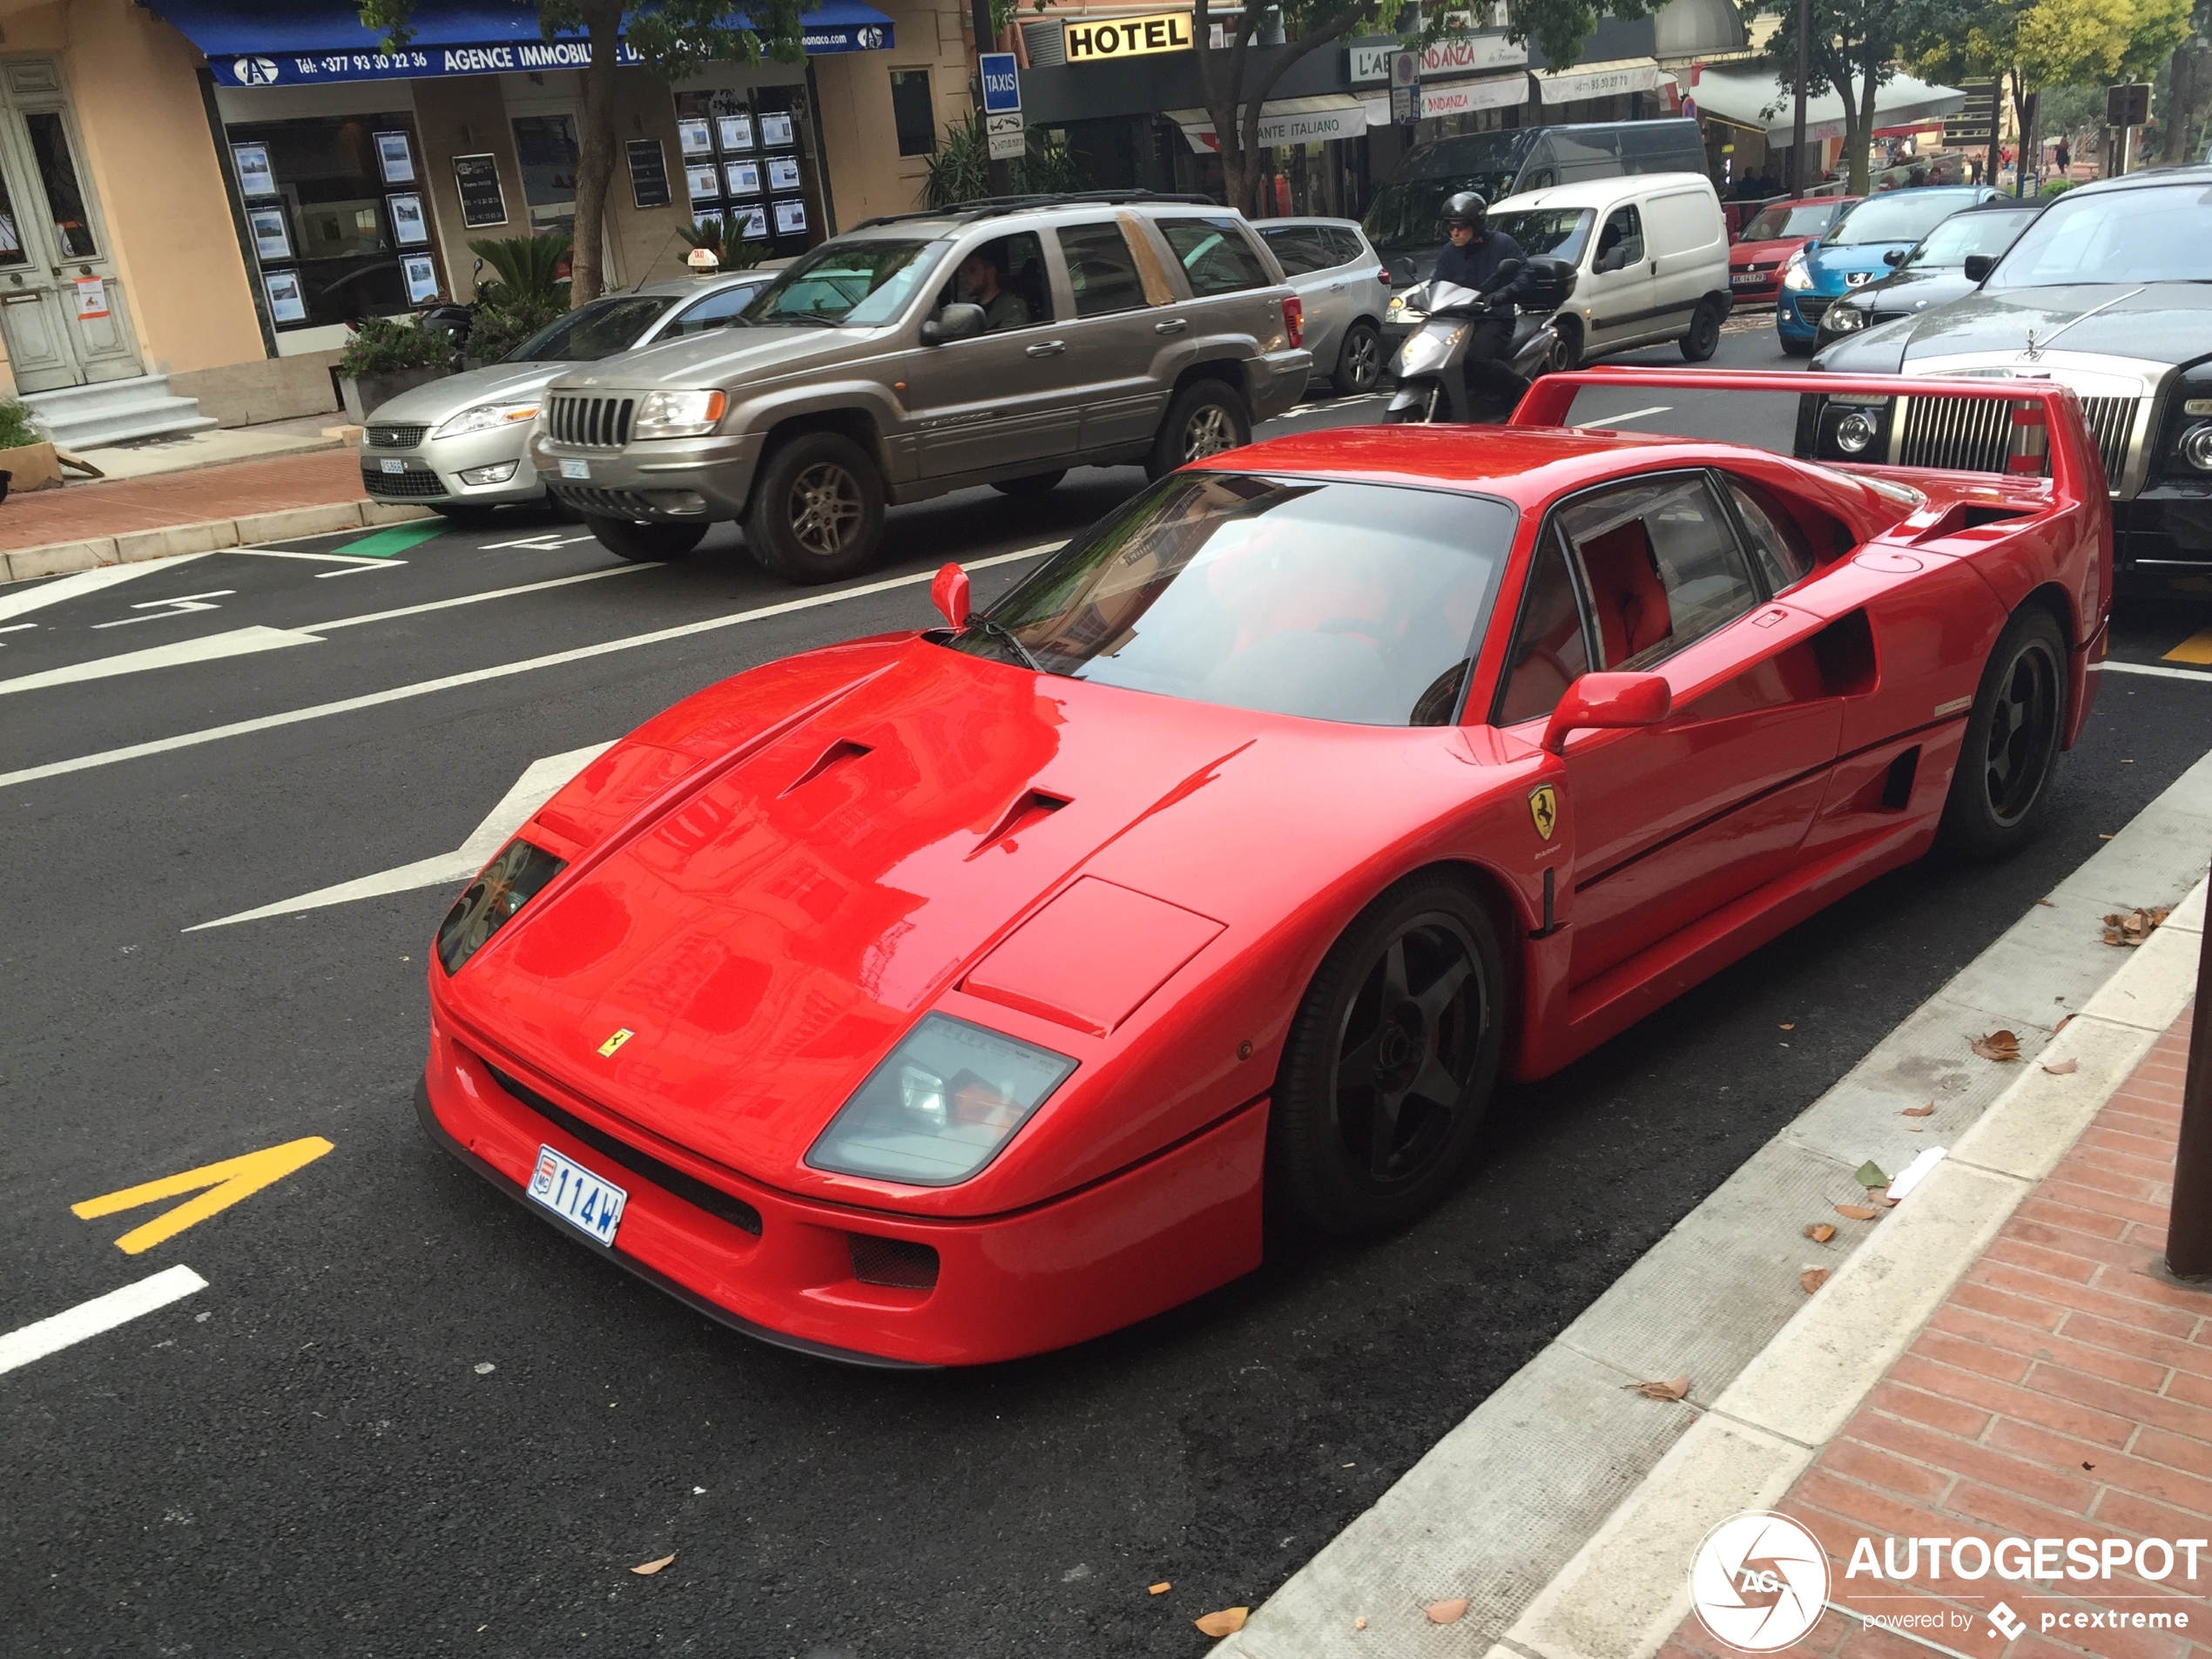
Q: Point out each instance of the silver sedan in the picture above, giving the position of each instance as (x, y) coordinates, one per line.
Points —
(1344, 288)
(457, 445)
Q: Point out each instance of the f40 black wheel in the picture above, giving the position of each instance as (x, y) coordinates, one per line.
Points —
(2002, 782)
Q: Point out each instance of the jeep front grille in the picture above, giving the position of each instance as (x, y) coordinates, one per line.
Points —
(591, 423)
(611, 504)
(1971, 434)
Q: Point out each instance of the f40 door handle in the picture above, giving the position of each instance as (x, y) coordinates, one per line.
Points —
(1173, 325)
(1048, 348)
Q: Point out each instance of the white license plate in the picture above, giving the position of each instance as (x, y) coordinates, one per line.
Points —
(395, 466)
(576, 469)
(576, 1194)
(1745, 278)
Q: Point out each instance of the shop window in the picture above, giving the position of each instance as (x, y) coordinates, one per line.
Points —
(335, 207)
(545, 146)
(912, 113)
(57, 173)
(1100, 269)
(1214, 255)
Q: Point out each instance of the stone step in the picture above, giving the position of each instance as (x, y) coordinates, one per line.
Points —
(84, 417)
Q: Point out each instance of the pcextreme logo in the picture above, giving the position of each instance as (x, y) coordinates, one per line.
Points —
(1759, 1581)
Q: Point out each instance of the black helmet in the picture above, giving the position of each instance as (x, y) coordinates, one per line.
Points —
(1465, 208)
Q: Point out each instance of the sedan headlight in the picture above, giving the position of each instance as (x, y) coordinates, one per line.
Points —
(1843, 319)
(486, 417)
(678, 414)
(1794, 276)
(488, 904)
(940, 1106)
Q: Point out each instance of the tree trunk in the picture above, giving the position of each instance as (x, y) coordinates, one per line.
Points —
(2180, 103)
(1235, 110)
(1858, 122)
(595, 162)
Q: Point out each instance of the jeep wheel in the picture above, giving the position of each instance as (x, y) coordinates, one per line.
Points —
(817, 513)
(643, 543)
(1037, 483)
(1206, 418)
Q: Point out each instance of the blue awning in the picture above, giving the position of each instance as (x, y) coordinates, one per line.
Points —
(295, 43)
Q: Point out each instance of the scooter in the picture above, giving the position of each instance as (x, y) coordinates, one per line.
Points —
(1429, 386)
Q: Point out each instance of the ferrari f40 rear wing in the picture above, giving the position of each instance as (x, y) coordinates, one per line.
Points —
(2017, 427)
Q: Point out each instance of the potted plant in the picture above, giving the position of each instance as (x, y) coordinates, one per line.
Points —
(27, 460)
(386, 356)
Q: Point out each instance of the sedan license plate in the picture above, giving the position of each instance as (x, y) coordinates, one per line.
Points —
(1745, 278)
(576, 469)
(395, 466)
(576, 1194)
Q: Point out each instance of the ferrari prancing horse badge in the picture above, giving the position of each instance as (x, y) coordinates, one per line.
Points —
(1543, 806)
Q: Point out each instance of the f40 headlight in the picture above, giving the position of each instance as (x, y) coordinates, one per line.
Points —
(941, 1106)
(489, 902)
(486, 417)
(678, 414)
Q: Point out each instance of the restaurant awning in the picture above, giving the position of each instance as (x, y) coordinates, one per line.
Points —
(1284, 120)
(1757, 99)
(1607, 79)
(1456, 98)
(295, 43)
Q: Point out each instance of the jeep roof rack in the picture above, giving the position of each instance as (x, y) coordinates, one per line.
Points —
(989, 206)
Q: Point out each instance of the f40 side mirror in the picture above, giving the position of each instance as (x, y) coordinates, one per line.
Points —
(955, 321)
(948, 592)
(1609, 701)
(1978, 267)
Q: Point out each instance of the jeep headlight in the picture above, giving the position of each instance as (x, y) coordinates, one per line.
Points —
(940, 1105)
(488, 904)
(1795, 276)
(486, 417)
(678, 414)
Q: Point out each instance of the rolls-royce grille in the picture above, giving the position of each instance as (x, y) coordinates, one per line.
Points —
(396, 437)
(1972, 434)
(591, 423)
(410, 484)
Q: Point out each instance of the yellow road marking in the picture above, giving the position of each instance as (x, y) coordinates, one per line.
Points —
(227, 1182)
(2197, 648)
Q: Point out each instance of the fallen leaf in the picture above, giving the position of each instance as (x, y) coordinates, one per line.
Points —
(1856, 1211)
(1359, 1623)
(2063, 1067)
(1161, 1588)
(1674, 1390)
(1881, 1196)
(1812, 1278)
(2062, 1025)
(2131, 927)
(1915, 1129)
(1226, 1623)
(1820, 1231)
(1449, 1612)
(2047, 904)
(1920, 1111)
(646, 1569)
(1790, 1026)
(1999, 1046)
(1870, 1175)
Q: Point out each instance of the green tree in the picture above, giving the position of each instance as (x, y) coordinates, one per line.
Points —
(1854, 47)
(677, 39)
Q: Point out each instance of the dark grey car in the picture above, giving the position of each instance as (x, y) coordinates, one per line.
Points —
(1932, 272)
(926, 353)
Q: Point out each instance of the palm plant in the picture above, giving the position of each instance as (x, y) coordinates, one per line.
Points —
(528, 268)
(721, 238)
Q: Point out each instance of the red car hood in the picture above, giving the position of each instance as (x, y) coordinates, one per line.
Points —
(1743, 254)
(771, 934)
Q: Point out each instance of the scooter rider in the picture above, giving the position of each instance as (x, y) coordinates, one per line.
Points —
(1471, 258)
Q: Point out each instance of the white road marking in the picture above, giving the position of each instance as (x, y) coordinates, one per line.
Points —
(2152, 667)
(424, 688)
(239, 642)
(546, 542)
(73, 1326)
(1633, 415)
(76, 587)
(477, 598)
(160, 610)
(317, 558)
(541, 780)
(362, 568)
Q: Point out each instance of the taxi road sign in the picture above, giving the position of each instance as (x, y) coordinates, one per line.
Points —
(1002, 84)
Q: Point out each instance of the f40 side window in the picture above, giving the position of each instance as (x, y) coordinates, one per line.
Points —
(1660, 565)
(1776, 542)
(1550, 646)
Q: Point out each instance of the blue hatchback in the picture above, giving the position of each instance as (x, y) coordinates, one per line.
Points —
(1849, 254)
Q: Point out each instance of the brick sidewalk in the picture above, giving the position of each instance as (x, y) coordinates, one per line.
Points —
(238, 489)
(2062, 1391)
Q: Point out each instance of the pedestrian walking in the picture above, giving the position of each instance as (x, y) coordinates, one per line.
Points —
(2064, 157)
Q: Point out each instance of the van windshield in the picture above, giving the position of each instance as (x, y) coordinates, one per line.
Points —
(1557, 232)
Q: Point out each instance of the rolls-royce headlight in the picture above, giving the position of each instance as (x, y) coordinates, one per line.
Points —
(1854, 433)
(2196, 447)
(488, 904)
(940, 1105)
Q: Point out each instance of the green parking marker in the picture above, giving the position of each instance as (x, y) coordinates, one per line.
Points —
(397, 539)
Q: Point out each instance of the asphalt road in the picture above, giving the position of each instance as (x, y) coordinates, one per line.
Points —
(404, 1417)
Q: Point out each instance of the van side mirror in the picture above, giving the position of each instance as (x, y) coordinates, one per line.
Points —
(1607, 701)
(1979, 265)
(954, 322)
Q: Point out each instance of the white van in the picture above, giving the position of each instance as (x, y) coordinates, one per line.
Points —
(1650, 256)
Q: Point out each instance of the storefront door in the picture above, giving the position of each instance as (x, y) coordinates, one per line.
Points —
(62, 314)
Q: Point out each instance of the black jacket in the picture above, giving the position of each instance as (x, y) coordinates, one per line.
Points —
(1474, 266)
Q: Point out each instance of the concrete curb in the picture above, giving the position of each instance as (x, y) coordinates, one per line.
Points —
(1564, 1506)
(62, 559)
(1625, 1592)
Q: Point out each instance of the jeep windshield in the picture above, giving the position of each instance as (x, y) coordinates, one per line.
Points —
(861, 284)
(2157, 233)
(1350, 601)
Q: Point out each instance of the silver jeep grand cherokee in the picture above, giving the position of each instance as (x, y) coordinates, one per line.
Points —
(997, 343)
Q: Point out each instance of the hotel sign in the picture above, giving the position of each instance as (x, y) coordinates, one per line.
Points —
(1089, 41)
